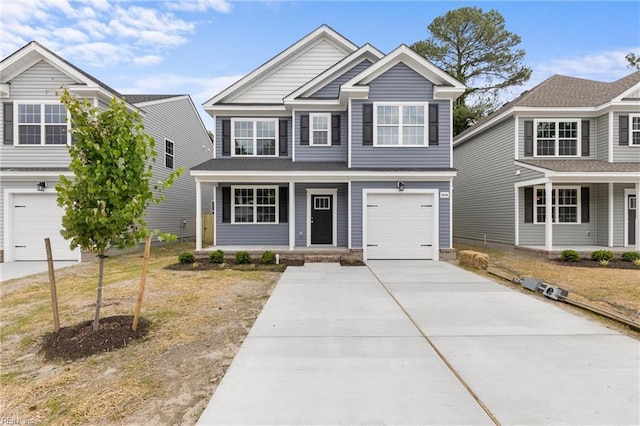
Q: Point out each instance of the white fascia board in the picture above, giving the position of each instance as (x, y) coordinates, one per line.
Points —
(248, 110)
(626, 92)
(534, 168)
(322, 32)
(324, 176)
(13, 175)
(447, 92)
(5, 90)
(317, 104)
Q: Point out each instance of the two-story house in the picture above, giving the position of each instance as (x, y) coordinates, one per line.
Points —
(333, 145)
(556, 168)
(33, 153)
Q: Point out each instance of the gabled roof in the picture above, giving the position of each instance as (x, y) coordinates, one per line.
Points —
(446, 87)
(137, 99)
(324, 32)
(561, 93)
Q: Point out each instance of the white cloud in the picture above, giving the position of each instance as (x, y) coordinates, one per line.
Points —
(71, 35)
(97, 54)
(199, 5)
(147, 60)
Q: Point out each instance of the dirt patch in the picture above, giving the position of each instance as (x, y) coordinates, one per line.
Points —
(80, 340)
(588, 263)
(351, 262)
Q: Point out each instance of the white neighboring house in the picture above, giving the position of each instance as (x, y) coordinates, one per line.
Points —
(33, 153)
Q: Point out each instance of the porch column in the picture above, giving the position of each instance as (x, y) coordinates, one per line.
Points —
(516, 199)
(292, 215)
(548, 223)
(611, 217)
(198, 214)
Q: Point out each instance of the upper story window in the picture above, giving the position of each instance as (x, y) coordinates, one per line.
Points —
(635, 129)
(557, 138)
(254, 137)
(169, 155)
(42, 124)
(565, 205)
(400, 124)
(255, 204)
(320, 129)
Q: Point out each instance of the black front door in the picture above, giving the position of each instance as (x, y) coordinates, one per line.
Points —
(631, 217)
(321, 219)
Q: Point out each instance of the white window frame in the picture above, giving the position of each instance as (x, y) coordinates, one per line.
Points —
(557, 137)
(172, 155)
(632, 131)
(255, 137)
(312, 129)
(17, 124)
(400, 124)
(255, 204)
(556, 206)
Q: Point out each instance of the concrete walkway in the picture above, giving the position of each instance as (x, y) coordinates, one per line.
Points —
(422, 343)
(12, 270)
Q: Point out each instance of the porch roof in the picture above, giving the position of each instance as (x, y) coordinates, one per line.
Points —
(583, 166)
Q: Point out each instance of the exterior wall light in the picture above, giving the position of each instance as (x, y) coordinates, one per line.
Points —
(40, 186)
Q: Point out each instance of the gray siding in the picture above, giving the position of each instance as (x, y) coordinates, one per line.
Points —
(593, 137)
(401, 84)
(249, 234)
(323, 153)
(622, 153)
(483, 201)
(41, 82)
(332, 90)
(602, 214)
(356, 207)
(619, 213)
(218, 136)
(301, 212)
(602, 142)
(177, 121)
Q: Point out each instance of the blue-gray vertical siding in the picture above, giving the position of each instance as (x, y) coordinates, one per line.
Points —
(218, 136)
(332, 89)
(401, 84)
(323, 153)
(356, 207)
(301, 212)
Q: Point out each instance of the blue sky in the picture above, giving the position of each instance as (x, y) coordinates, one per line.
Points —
(200, 47)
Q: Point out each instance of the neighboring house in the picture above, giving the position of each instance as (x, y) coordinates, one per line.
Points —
(33, 153)
(558, 167)
(333, 145)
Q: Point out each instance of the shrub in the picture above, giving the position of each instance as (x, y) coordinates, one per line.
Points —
(600, 255)
(569, 256)
(631, 256)
(186, 257)
(268, 258)
(636, 262)
(604, 262)
(216, 257)
(243, 258)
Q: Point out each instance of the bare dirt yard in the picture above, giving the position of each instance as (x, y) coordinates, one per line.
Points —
(613, 289)
(198, 320)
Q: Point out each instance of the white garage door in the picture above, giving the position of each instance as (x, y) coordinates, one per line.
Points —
(36, 217)
(400, 226)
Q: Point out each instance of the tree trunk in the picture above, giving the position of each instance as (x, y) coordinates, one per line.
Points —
(96, 320)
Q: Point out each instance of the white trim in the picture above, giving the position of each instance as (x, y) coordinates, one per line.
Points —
(631, 131)
(320, 191)
(517, 215)
(516, 138)
(548, 225)
(349, 120)
(215, 215)
(325, 115)
(255, 138)
(9, 255)
(349, 221)
(450, 134)
(610, 141)
(292, 215)
(627, 193)
(400, 125)
(436, 216)
(173, 155)
(199, 215)
(42, 124)
(611, 215)
(215, 138)
(557, 205)
(255, 204)
(557, 121)
(293, 135)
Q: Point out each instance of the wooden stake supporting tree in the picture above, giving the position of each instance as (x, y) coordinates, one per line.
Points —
(52, 286)
(143, 280)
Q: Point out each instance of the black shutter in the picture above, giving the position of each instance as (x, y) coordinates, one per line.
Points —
(7, 114)
(226, 204)
(528, 138)
(367, 124)
(283, 137)
(304, 129)
(528, 204)
(335, 129)
(624, 130)
(226, 137)
(585, 138)
(433, 124)
(283, 204)
(584, 202)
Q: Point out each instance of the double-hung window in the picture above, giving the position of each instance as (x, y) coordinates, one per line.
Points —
(255, 204)
(565, 205)
(169, 155)
(400, 124)
(635, 129)
(320, 130)
(42, 124)
(557, 138)
(254, 137)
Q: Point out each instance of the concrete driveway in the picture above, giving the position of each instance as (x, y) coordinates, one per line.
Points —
(410, 342)
(12, 270)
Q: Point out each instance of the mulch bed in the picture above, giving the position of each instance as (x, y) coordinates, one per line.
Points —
(80, 341)
(203, 264)
(588, 263)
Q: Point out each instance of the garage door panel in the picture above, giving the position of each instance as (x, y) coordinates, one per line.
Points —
(36, 217)
(400, 226)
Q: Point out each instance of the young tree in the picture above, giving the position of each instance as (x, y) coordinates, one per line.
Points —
(111, 161)
(474, 47)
